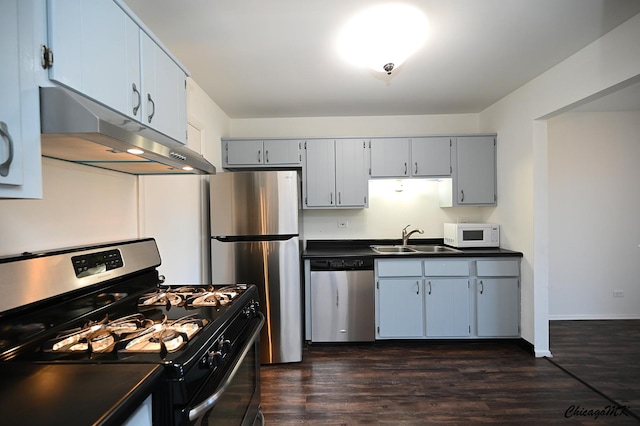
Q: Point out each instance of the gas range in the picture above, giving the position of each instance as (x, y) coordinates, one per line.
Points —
(109, 306)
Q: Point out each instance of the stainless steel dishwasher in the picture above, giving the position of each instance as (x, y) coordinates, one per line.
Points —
(342, 300)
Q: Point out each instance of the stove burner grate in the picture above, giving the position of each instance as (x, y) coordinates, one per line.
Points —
(192, 296)
(133, 333)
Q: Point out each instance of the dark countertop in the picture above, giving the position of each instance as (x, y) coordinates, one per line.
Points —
(317, 249)
(66, 394)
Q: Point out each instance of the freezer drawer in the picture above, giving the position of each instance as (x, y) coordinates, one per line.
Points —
(274, 267)
(342, 306)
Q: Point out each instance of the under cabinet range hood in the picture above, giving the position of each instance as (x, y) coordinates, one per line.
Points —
(77, 129)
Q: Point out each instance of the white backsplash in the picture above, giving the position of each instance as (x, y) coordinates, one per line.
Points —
(389, 211)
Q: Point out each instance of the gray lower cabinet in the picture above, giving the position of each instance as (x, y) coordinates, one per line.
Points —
(400, 307)
(447, 298)
(447, 307)
(498, 298)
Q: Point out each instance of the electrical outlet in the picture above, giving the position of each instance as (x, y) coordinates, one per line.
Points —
(618, 293)
(343, 223)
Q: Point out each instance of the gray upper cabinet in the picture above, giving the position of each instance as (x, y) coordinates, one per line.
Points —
(96, 47)
(390, 157)
(351, 173)
(259, 153)
(431, 156)
(103, 53)
(473, 181)
(319, 174)
(335, 173)
(411, 157)
(21, 34)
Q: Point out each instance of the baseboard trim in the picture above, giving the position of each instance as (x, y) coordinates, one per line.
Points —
(527, 346)
(581, 317)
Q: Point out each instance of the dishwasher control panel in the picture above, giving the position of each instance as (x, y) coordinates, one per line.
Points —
(342, 264)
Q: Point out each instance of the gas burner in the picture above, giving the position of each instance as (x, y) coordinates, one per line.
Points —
(218, 297)
(192, 296)
(165, 297)
(133, 333)
(166, 336)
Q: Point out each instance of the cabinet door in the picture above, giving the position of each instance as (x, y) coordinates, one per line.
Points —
(476, 170)
(96, 51)
(498, 309)
(399, 308)
(243, 152)
(10, 106)
(351, 173)
(282, 152)
(431, 157)
(447, 307)
(22, 32)
(163, 91)
(390, 157)
(319, 173)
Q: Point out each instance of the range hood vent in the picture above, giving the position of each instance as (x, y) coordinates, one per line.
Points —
(77, 129)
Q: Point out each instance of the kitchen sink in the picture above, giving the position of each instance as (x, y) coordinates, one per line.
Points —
(397, 249)
(434, 249)
(392, 249)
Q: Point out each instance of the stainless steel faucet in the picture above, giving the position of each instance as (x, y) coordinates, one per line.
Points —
(406, 235)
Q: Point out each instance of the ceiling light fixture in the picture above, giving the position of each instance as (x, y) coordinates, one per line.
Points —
(135, 151)
(383, 37)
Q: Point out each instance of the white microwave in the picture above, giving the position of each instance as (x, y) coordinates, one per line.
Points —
(472, 235)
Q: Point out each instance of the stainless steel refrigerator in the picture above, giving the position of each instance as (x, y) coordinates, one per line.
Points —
(255, 240)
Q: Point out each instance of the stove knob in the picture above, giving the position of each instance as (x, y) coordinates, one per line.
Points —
(214, 359)
(222, 345)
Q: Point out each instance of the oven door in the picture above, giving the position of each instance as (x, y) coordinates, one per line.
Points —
(235, 398)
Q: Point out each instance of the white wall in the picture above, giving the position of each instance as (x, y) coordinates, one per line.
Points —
(388, 211)
(594, 234)
(174, 209)
(80, 205)
(610, 62)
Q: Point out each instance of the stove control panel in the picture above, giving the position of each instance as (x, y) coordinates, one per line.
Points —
(95, 263)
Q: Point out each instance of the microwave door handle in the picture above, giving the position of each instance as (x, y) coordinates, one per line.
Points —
(200, 409)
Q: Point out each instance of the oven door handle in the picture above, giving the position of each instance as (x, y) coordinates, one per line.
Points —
(206, 405)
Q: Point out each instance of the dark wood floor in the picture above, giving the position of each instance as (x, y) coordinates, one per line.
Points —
(603, 354)
(454, 383)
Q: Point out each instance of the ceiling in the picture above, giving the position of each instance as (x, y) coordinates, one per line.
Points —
(277, 58)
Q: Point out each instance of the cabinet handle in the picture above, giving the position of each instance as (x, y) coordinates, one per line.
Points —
(266, 156)
(4, 133)
(416, 172)
(405, 168)
(462, 193)
(417, 287)
(137, 92)
(481, 287)
(259, 155)
(153, 104)
(331, 199)
(339, 197)
(337, 298)
(429, 287)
